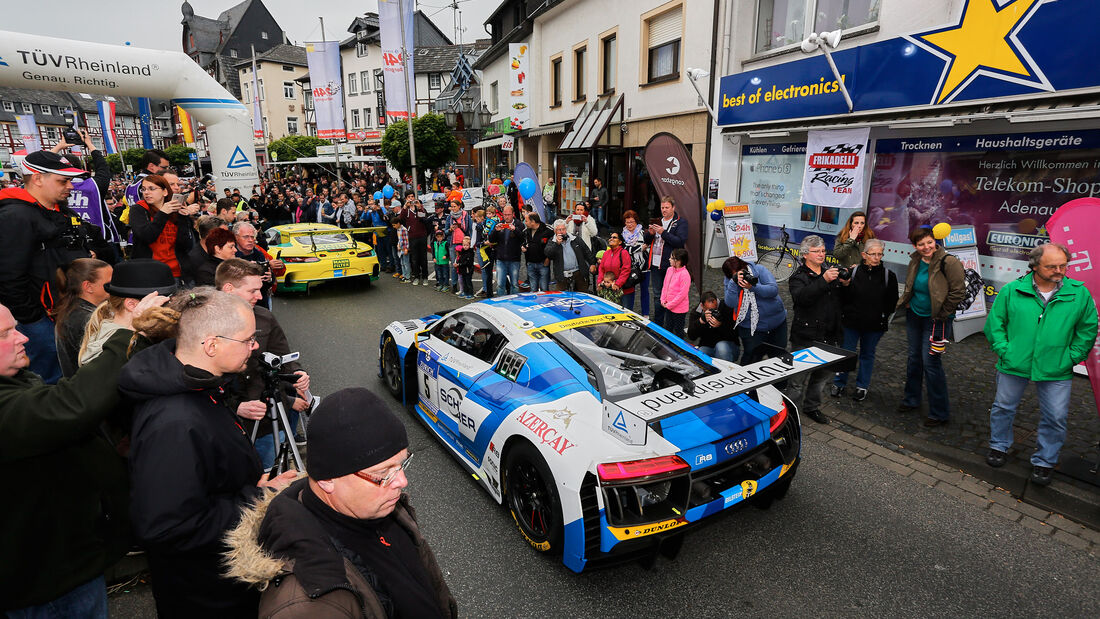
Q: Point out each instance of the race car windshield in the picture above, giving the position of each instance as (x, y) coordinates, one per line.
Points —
(627, 359)
(322, 239)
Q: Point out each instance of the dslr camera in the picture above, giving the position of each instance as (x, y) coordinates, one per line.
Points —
(844, 273)
(749, 278)
(72, 136)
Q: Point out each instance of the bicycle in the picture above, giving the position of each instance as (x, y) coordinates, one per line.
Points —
(782, 261)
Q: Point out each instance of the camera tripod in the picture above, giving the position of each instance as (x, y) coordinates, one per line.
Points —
(286, 450)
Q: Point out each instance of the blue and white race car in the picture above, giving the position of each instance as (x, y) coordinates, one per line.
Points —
(604, 434)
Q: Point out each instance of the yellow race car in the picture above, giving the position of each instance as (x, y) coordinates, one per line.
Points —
(320, 252)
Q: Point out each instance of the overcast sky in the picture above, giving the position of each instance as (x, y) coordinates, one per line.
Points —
(156, 23)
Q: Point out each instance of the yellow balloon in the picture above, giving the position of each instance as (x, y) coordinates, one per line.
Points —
(713, 206)
(941, 230)
(720, 203)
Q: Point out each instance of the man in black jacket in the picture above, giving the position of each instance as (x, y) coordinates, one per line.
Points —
(815, 291)
(38, 236)
(712, 323)
(570, 259)
(535, 238)
(507, 239)
(192, 467)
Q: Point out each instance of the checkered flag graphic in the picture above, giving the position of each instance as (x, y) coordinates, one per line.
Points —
(841, 149)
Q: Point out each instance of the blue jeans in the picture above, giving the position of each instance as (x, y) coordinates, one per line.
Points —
(867, 342)
(750, 343)
(88, 601)
(264, 446)
(509, 269)
(922, 366)
(539, 276)
(385, 254)
(442, 274)
(725, 350)
(41, 349)
(394, 256)
(452, 252)
(1053, 409)
(406, 268)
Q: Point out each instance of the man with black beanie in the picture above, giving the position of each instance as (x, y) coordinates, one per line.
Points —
(345, 539)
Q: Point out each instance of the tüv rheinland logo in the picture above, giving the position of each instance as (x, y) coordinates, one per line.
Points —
(2, 63)
(238, 160)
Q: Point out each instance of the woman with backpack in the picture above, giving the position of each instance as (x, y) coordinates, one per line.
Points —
(934, 286)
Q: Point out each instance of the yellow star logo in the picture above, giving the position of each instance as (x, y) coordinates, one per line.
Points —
(984, 43)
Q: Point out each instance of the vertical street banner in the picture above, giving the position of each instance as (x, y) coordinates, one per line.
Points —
(107, 122)
(524, 170)
(29, 131)
(145, 117)
(257, 112)
(835, 165)
(672, 173)
(186, 131)
(323, 59)
(391, 15)
(519, 68)
(1074, 225)
(85, 201)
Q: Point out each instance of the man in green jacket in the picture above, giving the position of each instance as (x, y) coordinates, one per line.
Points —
(64, 521)
(1041, 325)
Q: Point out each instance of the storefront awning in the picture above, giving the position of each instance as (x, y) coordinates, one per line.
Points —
(547, 129)
(592, 122)
(490, 142)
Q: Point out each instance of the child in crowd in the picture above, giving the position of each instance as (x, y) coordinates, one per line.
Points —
(608, 290)
(674, 294)
(402, 237)
(442, 261)
(464, 264)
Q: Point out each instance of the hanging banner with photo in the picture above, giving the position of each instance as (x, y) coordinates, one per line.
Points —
(29, 130)
(835, 165)
(672, 173)
(397, 82)
(519, 69)
(323, 58)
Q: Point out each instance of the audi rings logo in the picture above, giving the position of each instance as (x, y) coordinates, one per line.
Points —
(736, 447)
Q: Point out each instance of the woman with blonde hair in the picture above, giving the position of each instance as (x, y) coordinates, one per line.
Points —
(131, 281)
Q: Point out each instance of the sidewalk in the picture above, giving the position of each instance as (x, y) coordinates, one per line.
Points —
(963, 443)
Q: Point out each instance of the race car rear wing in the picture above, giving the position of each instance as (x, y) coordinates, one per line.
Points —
(351, 232)
(628, 419)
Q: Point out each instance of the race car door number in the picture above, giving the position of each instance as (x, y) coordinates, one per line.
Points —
(510, 364)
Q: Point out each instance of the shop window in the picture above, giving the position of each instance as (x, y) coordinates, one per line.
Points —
(609, 57)
(579, 74)
(555, 80)
(787, 22)
(662, 33)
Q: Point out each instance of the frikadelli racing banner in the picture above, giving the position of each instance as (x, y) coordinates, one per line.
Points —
(400, 87)
(1074, 225)
(323, 58)
(672, 173)
(519, 67)
(835, 164)
(1006, 186)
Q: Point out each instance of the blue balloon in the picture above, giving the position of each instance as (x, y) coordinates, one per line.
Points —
(527, 188)
(378, 195)
(387, 192)
(507, 182)
(716, 215)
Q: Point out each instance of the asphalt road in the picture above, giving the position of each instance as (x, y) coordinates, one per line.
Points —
(851, 538)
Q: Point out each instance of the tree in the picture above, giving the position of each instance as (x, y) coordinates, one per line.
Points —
(115, 162)
(292, 147)
(179, 155)
(435, 143)
(132, 157)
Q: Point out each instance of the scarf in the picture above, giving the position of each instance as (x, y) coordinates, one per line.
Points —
(746, 307)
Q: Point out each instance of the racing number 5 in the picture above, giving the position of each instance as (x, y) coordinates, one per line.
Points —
(427, 388)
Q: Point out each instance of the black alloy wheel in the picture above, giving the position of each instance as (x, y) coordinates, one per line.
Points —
(532, 497)
(391, 367)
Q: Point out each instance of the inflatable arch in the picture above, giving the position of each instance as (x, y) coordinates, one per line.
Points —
(46, 63)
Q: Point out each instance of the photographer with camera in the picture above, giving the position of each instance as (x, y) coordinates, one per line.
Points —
(39, 235)
(88, 192)
(242, 279)
(815, 291)
(752, 294)
(712, 324)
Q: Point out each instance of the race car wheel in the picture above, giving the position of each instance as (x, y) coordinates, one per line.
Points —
(391, 367)
(532, 497)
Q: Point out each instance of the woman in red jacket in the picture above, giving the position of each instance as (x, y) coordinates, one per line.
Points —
(616, 260)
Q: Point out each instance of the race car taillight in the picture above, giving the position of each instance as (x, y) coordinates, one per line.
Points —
(300, 259)
(779, 418)
(641, 470)
(365, 254)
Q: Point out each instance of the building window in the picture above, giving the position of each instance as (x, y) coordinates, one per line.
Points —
(662, 44)
(51, 133)
(364, 81)
(308, 99)
(367, 117)
(353, 88)
(379, 79)
(355, 122)
(263, 35)
(361, 49)
(435, 81)
(232, 53)
(288, 90)
(9, 106)
(555, 81)
(247, 90)
(608, 62)
(46, 109)
(28, 109)
(494, 97)
(292, 125)
(288, 68)
(787, 22)
(579, 56)
(260, 85)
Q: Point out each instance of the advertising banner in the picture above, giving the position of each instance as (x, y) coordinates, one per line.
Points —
(257, 112)
(85, 200)
(107, 123)
(1074, 225)
(145, 116)
(672, 173)
(835, 165)
(1006, 186)
(391, 14)
(771, 182)
(29, 130)
(737, 228)
(323, 58)
(986, 50)
(519, 69)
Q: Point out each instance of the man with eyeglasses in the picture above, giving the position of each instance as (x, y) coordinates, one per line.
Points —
(193, 469)
(249, 249)
(344, 541)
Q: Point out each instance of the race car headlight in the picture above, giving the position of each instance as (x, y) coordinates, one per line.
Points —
(779, 418)
(641, 491)
(365, 254)
(634, 471)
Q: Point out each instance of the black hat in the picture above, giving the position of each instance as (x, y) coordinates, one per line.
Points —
(46, 162)
(136, 278)
(352, 430)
